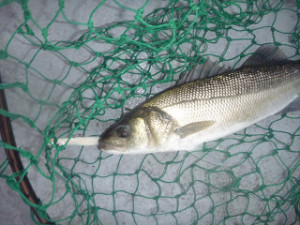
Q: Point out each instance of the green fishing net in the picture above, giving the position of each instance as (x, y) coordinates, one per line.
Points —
(72, 68)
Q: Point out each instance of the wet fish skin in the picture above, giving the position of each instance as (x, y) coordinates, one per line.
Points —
(187, 115)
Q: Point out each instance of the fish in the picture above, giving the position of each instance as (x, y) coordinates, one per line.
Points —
(198, 110)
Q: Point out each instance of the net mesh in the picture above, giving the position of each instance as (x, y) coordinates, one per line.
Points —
(72, 68)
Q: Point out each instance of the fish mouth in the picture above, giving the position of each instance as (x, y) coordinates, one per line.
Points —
(107, 147)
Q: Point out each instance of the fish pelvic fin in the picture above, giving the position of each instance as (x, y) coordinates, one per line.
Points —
(293, 106)
(193, 128)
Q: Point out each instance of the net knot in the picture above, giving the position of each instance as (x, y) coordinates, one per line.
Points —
(27, 154)
(61, 3)
(139, 14)
(12, 183)
(45, 33)
(3, 54)
(194, 7)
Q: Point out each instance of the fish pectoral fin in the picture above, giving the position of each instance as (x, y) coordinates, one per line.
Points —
(193, 128)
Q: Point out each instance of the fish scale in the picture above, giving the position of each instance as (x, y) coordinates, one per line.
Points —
(171, 105)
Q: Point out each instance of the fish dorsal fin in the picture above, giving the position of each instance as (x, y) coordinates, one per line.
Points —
(267, 54)
(202, 71)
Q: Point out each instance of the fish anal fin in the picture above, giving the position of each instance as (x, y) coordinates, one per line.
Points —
(193, 128)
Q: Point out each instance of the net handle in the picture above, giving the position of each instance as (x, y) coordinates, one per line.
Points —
(15, 160)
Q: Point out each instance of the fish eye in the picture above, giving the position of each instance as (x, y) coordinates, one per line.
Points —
(123, 132)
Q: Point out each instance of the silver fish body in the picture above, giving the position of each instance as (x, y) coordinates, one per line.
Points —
(187, 115)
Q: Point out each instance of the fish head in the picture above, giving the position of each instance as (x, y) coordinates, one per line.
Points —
(142, 130)
(127, 135)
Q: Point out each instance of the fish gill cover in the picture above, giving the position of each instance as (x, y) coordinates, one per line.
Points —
(74, 67)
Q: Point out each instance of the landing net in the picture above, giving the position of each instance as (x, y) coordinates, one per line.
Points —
(71, 68)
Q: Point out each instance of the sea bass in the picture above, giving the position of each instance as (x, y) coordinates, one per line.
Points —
(184, 116)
